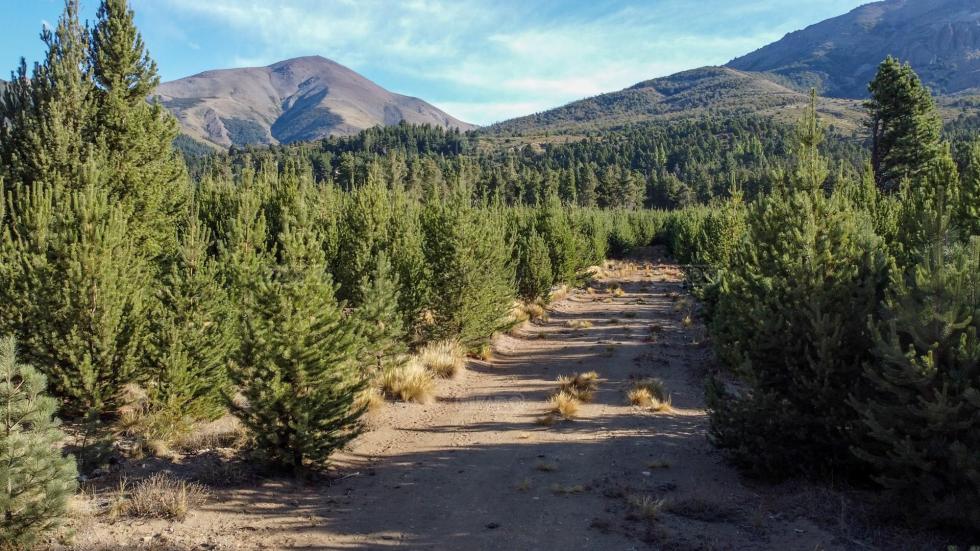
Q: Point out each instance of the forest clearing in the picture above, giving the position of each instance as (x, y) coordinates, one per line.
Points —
(479, 468)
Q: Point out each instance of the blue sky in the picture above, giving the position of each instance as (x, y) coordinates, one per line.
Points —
(480, 60)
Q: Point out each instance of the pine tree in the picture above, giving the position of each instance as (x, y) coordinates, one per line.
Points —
(917, 199)
(533, 264)
(790, 323)
(471, 276)
(48, 112)
(382, 329)
(904, 124)
(35, 479)
(298, 369)
(922, 415)
(77, 286)
(363, 230)
(565, 248)
(968, 219)
(145, 170)
(192, 336)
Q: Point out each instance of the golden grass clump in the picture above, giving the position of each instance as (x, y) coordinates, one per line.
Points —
(579, 324)
(564, 405)
(558, 293)
(581, 386)
(649, 394)
(410, 382)
(486, 352)
(370, 399)
(444, 359)
(687, 321)
(163, 496)
(224, 432)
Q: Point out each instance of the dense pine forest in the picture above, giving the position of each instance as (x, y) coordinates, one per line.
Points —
(149, 288)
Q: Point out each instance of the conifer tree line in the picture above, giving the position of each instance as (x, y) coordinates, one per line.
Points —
(845, 313)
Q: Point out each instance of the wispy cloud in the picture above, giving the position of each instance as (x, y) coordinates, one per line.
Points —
(486, 60)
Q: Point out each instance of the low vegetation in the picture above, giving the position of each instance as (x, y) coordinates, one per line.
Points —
(161, 496)
(650, 394)
(580, 386)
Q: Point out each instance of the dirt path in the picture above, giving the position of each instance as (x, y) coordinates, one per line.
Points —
(475, 471)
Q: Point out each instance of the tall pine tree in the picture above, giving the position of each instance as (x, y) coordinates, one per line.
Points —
(904, 124)
(145, 171)
(48, 112)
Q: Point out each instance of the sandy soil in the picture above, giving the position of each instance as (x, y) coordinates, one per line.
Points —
(474, 470)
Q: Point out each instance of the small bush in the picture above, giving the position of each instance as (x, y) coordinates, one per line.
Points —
(564, 405)
(410, 382)
(163, 496)
(581, 386)
(649, 394)
(445, 359)
(646, 507)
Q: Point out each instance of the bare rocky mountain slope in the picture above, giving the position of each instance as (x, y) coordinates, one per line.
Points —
(294, 100)
(940, 38)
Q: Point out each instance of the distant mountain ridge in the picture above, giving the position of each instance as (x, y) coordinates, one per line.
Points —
(839, 56)
(689, 94)
(298, 99)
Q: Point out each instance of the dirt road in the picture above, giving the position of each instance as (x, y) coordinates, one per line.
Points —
(476, 470)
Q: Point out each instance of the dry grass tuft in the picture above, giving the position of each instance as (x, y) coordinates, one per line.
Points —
(646, 507)
(558, 489)
(558, 293)
(523, 485)
(580, 386)
(370, 399)
(224, 432)
(410, 382)
(617, 291)
(579, 324)
(163, 496)
(649, 394)
(659, 464)
(687, 321)
(445, 359)
(535, 311)
(564, 405)
(486, 352)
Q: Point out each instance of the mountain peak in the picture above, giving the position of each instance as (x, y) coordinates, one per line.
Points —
(303, 98)
(839, 56)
